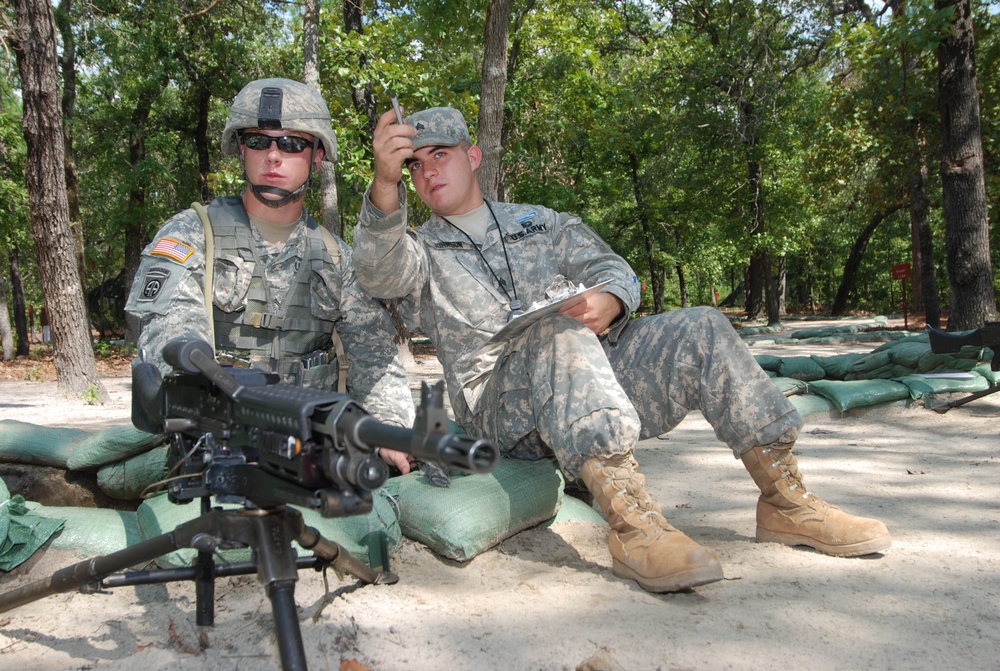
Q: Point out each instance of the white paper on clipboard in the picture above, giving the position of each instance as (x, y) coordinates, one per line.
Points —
(518, 324)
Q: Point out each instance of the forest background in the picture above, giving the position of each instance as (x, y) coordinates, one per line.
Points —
(771, 156)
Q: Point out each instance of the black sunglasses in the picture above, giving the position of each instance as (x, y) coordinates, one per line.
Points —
(290, 144)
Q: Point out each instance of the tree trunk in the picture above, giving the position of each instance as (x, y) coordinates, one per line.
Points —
(925, 288)
(68, 65)
(970, 272)
(656, 274)
(759, 276)
(17, 291)
(513, 58)
(135, 228)
(203, 144)
(35, 47)
(6, 334)
(854, 260)
(363, 97)
(780, 287)
(682, 285)
(491, 96)
(330, 216)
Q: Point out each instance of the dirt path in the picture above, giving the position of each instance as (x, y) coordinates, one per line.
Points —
(546, 599)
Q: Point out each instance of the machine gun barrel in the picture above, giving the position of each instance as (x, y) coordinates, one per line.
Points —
(448, 450)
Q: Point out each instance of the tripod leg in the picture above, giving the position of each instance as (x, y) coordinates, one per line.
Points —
(342, 560)
(941, 409)
(204, 580)
(271, 535)
(204, 589)
(88, 571)
(286, 625)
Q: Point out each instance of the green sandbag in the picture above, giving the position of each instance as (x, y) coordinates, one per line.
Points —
(929, 362)
(24, 443)
(836, 366)
(92, 532)
(575, 510)
(22, 531)
(364, 536)
(477, 511)
(921, 337)
(877, 364)
(810, 404)
(908, 353)
(993, 377)
(126, 479)
(768, 362)
(111, 445)
(921, 386)
(849, 394)
(830, 331)
(790, 386)
(801, 368)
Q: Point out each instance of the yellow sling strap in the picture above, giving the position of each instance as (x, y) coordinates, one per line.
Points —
(333, 249)
(209, 265)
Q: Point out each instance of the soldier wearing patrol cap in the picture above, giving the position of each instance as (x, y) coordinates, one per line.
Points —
(257, 277)
(586, 383)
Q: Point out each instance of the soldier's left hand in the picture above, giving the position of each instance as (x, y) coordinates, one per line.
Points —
(597, 312)
(401, 460)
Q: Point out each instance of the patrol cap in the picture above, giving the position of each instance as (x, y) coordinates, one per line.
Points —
(273, 104)
(439, 127)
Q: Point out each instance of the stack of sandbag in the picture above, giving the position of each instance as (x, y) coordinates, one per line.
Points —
(898, 371)
(470, 516)
(125, 459)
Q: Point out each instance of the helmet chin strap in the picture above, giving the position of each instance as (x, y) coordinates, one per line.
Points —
(285, 196)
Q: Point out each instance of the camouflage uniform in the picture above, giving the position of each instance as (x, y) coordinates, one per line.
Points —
(558, 387)
(168, 297)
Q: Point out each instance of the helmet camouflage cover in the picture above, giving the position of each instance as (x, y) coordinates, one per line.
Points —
(285, 104)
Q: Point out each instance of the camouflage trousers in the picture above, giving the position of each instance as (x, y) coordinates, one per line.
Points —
(557, 390)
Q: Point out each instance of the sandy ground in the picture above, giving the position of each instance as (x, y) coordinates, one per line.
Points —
(546, 599)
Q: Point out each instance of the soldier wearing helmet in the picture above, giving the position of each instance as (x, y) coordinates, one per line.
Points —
(274, 105)
(257, 277)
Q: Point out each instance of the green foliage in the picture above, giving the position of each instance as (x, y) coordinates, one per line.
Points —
(92, 396)
(641, 116)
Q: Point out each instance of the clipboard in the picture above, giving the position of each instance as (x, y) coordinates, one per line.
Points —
(519, 324)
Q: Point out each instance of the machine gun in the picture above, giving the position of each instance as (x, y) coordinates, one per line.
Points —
(243, 437)
(987, 335)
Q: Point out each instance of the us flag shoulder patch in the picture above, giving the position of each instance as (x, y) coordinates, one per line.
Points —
(173, 249)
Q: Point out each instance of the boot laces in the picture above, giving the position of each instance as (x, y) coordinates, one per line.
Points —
(628, 483)
(789, 471)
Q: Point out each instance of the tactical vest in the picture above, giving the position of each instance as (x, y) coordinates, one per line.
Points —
(286, 339)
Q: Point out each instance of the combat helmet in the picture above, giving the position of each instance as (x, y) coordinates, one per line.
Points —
(280, 104)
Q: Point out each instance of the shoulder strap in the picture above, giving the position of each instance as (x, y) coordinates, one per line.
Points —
(209, 264)
(331, 243)
(333, 249)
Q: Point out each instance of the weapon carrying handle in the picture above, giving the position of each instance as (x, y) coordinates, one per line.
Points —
(197, 356)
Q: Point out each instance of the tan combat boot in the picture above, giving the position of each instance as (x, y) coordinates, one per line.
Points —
(644, 547)
(789, 514)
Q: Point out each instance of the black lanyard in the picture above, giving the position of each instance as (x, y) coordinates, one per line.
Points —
(515, 304)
